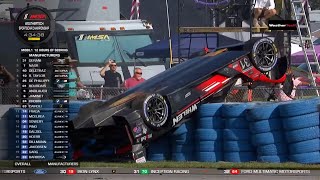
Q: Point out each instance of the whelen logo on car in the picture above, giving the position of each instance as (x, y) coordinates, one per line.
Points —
(40, 171)
(188, 111)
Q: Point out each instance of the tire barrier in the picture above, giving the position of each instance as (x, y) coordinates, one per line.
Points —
(236, 123)
(299, 107)
(233, 110)
(209, 110)
(271, 132)
(182, 142)
(264, 126)
(211, 123)
(240, 156)
(263, 111)
(302, 121)
(236, 132)
(209, 156)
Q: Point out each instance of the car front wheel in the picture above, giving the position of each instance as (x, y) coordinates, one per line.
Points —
(156, 111)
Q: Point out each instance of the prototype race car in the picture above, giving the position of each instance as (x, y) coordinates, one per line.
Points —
(162, 103)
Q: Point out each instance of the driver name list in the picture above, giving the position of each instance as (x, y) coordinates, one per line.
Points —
(42, 121)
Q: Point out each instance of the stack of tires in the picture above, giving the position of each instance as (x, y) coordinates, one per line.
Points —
(159, 150)
(301, 124)
(267, 133)
(237, 145)
(209, 132)
(182, 142)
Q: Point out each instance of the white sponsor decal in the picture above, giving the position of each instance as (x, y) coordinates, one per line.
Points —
(141, 160)
(188, 111)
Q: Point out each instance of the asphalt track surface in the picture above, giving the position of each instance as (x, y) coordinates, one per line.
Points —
(155, 177)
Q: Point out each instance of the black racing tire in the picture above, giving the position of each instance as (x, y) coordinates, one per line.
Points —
(156, 111)
(264, 53)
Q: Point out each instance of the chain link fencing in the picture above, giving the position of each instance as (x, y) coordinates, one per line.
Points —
(12, 95)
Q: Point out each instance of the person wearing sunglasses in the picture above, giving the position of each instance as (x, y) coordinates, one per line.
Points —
(111, 77)
(135, 79)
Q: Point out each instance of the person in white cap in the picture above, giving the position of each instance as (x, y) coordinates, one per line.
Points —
(263, 10)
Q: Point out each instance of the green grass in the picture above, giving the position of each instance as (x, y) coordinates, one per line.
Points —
(168, 164)
(222, 165)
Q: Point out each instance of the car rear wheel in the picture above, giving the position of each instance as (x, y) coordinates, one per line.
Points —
(156, 111)
(264, 54)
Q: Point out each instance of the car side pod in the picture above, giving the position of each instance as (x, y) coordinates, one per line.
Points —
(137, 132)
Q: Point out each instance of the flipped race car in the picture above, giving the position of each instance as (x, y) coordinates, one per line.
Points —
(164, 102)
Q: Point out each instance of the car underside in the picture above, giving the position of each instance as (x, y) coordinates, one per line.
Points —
(124, 125)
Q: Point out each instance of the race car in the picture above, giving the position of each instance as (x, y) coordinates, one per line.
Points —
(162, 103)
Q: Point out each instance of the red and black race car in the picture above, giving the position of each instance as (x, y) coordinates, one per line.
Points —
(162, 103)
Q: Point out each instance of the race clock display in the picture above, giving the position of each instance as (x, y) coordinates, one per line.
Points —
(34, 25)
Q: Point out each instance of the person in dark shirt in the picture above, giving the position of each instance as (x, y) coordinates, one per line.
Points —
(111, 77)
(112, 80)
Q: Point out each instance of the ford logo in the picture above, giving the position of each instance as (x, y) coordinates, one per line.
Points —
(40, 171)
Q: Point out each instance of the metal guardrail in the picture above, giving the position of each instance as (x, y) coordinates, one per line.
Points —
(11, 95)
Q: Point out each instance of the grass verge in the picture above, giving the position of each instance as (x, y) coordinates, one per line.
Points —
(170, 164)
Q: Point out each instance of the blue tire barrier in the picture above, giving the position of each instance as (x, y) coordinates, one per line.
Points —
(272, 149)
(263, 111)
(302, 134)
(185, 148)
(182, 139)
(210, 123)
(299, 107)
(306, 158)
(180, 130)
(208, 134)
(273, 159)
(230, 110)
(236, 123)
(240, 156)
(237, 146)
(300, 122)
(209, 156)
(268, 138)
(158, 157)
(264, 126)
(159, 147)
(209, 110)
(182, 156)
(208, 146)
(236, 134)
(304, 146)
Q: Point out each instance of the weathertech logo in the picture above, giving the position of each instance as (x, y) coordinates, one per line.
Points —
(35, 16)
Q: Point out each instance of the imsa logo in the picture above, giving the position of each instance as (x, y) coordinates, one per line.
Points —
(93, 37)
(188, 111)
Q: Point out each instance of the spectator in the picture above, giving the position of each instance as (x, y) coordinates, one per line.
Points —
(111, 77)
(135, 80)
(74, 78)
(263, 10)
(292, 85)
